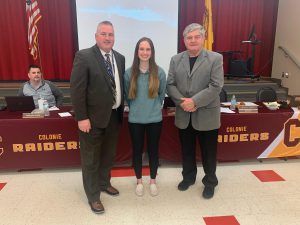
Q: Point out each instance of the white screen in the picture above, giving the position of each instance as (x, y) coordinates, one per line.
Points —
(132, 19)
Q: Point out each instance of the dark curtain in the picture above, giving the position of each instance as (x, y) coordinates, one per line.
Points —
(232, 24)
(190, 11)
(57, 39)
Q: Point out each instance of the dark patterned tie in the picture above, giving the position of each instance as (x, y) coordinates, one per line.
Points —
(110, 73)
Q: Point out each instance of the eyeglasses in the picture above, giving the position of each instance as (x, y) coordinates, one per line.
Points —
(110, 35)
(196, 38)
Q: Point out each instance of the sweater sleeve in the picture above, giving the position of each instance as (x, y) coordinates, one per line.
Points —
(57, 94)
(20, 91)
(162, 85)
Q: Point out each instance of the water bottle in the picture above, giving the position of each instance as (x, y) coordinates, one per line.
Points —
(46, 108)
(233, 102)
(41, 103)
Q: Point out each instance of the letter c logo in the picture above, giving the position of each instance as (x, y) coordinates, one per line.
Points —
(291, 139)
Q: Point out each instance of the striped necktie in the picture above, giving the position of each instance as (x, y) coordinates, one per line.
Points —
(110, 73)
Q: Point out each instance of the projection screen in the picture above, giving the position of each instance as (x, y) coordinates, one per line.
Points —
(132, 19)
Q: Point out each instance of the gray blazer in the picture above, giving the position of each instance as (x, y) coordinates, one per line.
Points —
(203, 85)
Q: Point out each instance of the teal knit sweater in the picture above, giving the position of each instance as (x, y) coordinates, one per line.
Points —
(143, 109)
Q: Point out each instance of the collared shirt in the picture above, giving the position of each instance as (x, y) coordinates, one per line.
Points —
(116, 76)
(47, 90)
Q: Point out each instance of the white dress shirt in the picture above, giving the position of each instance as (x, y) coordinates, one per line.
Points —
(116, 76)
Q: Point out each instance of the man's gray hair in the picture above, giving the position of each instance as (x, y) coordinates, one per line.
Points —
(192, 27)
(105, 22)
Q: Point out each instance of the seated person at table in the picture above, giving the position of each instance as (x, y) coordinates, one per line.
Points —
(40, 88)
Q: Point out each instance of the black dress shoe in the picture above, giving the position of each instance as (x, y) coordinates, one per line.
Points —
(97, 207)
(208, 192)
(184, 185)
(112, 191)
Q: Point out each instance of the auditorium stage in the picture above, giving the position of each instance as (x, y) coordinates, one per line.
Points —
(243, 88)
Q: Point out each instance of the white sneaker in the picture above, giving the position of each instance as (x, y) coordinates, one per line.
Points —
(139, 191)
(153, 190)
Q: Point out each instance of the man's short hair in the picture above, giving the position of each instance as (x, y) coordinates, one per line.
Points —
(192, 27)
(105, 22)
(33, 66)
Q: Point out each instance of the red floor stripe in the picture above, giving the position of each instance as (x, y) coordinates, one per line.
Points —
(2, 186)
(128, 172)
(267, 176)
(221, 220)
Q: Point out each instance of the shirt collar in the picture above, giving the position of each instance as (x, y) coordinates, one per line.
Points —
(42, 82)
(103, 52)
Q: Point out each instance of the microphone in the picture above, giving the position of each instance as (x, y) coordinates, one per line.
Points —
(251, 42)
(246, 41)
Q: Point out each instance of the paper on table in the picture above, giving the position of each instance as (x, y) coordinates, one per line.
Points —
(225, 103)
(249, 104)
(272, 105)
(53, 108)
(245, 103)
(226, 110)
(64, 114)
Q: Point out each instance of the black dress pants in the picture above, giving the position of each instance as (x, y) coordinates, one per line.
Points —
(208, 141)
(137, 133)
(97, 152)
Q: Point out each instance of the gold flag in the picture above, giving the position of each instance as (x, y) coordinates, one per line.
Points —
(207, 23)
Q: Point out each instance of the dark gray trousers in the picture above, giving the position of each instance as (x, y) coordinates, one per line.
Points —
(208, 141)
(97, 151)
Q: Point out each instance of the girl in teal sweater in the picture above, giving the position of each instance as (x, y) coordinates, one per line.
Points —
(145, 85)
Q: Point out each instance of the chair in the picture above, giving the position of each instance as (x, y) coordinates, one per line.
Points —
(266, 94)
(223, 95)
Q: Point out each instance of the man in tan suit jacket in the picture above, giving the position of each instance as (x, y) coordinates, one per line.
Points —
(194, 82)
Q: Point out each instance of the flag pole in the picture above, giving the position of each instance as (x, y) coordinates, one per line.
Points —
(33, 15)
(39, 55)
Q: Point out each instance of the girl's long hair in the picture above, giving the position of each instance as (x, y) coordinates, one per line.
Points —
(135, 72)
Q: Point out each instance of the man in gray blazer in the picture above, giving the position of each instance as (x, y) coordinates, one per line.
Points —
(97, 98)
(194, 82)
